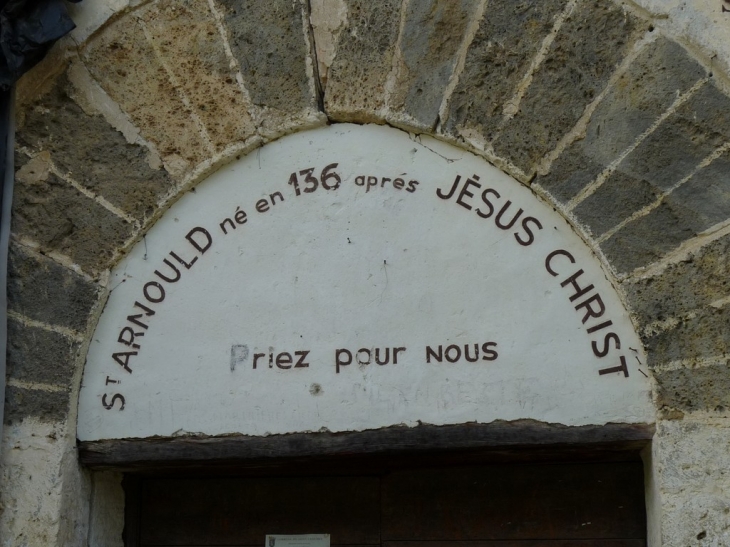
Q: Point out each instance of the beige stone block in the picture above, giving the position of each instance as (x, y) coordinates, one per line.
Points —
(190, 44)
(125, 64)
(692, 459)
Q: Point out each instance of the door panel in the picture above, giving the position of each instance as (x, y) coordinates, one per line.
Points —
(523, 543)
(495, 502)
(496, 505)
(241, 511)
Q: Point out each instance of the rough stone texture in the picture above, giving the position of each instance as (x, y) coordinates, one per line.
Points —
(509, 36)
(27, 476)
(41, 290)
(327, 18)
(707, 193)
(613, 202)
(432, 36)
(126, 66)
(692, 457)
(40, 356)
(356, 86)
(697, 129)
(650, 85)
(700, 203)
(697, 388)
(59, 218)
(703, 335)
(701, 279)
(106, 524)
(268, 40)
(191, 46)
(650, 237)
(47, 406)
(93, 153)
(576, 69)
(43, 494)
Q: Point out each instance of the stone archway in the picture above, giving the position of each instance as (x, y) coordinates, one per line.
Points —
(623, 129)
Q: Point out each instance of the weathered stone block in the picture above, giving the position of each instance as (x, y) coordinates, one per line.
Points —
(190, 44)
(509, 36)
(40, 289)
(125, 64)
(698, 281)
(691, 458)
(650, 85)
(650, 237)
(52, 213)
(49, 406)
(268, 39)
(684, 447)
(40, 356)
(356, 87)
(676, 148)
(432, 36)
(707, 193)
(613, 202)
(696, 388)
(93, 152)
(703, 336)
(577, 68)
(570, 173)
(698, 204)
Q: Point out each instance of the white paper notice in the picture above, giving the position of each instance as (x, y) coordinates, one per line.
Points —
(298, 540)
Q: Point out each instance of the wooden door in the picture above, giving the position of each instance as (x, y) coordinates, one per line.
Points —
(497, 505)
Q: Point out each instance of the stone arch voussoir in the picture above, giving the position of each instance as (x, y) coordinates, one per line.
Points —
(629, 142)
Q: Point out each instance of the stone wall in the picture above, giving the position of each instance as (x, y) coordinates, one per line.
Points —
(618, 114)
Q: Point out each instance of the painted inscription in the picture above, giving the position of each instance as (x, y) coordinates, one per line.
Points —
(392, 278)
(583, 295)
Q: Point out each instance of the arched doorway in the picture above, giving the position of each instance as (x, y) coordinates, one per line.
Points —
(352, 309)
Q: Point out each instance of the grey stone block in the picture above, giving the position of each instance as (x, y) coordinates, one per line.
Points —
(577, 68)
(705, 335)
(618, 198)
(124, 62)
(363, 59)
(432, 36)
(509, 36)
(60, 218)
(707, 193)
(701, 202)
(40, 289)
(94, 153)
(676, 148)
(646, 90)
(570, 173)
(693, 389)
(650, 237)
(31, 403)
(40, 356)
(267, 39)
(693, 283)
